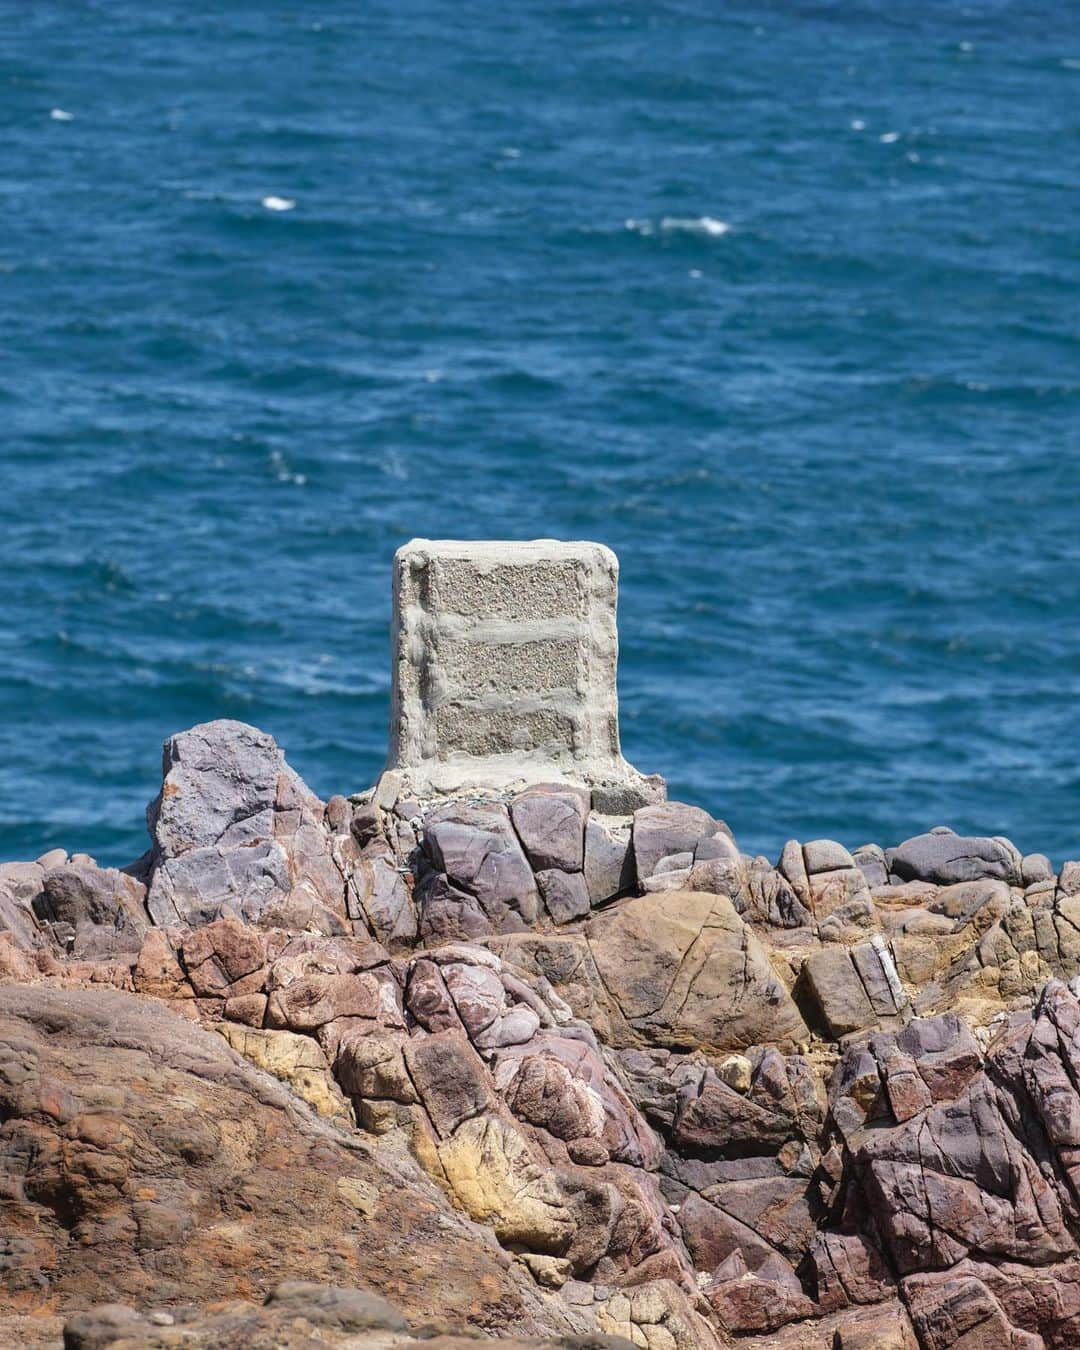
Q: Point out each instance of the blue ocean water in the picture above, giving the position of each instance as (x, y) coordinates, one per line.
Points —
(779, 300)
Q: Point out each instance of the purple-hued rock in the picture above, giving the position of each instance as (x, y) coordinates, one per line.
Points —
(565, 894)
(665, 828)
(550, 822)
(945, 858)
(476, 848)
(235, 831)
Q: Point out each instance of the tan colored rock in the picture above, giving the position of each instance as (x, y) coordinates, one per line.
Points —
(495, 1177)
(550, 1271)
(852, 988)
(685, 971)
(296, 1060)
(657, 1316)
(737, 1072)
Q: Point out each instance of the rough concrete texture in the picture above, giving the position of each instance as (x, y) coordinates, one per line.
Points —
(505, 656)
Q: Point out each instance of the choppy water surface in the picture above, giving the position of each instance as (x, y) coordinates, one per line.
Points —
(781, 301)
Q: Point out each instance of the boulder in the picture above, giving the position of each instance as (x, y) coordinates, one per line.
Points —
(474, 847)
(371, 1066)
(1034, 868)
(870, 860)
(945, 858)
(225, 959)
(665, 828)
(563, 964)
(684, 971)
(768, 896)
(563, 1088)
(609, 860)
(447, 913)
(565, 895)
(758, 1300)
(379, 898)
(235, 831)
(826, 879)
(311, 1001)
(449, 1079)
(93, 911)
(716, 1119)
(850, 989)
(550, 822)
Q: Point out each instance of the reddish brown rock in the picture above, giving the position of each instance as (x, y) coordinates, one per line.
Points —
(142, 1159)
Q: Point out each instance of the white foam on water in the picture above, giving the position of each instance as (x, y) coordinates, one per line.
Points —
(278, 203)
(889, 137)
(707, 225)
(59, 115)
(858, 125)
(697, 225)
(1070, 63)
(283, 471)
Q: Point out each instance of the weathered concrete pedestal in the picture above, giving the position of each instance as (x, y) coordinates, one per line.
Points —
(505, 658)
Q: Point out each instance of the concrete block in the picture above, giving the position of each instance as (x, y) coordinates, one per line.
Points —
(505, 658)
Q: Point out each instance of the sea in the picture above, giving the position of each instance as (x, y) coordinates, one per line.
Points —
(780, 301)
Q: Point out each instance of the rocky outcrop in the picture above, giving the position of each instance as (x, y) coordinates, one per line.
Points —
(145, 1160)
(610, 1074)
(945, 859)
(93, 911)
(296, 1313)
(235, 831)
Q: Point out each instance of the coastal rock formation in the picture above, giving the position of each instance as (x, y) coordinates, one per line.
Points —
(144, 1160)
(235, 831)
(297, 1313)
(510, 1063)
